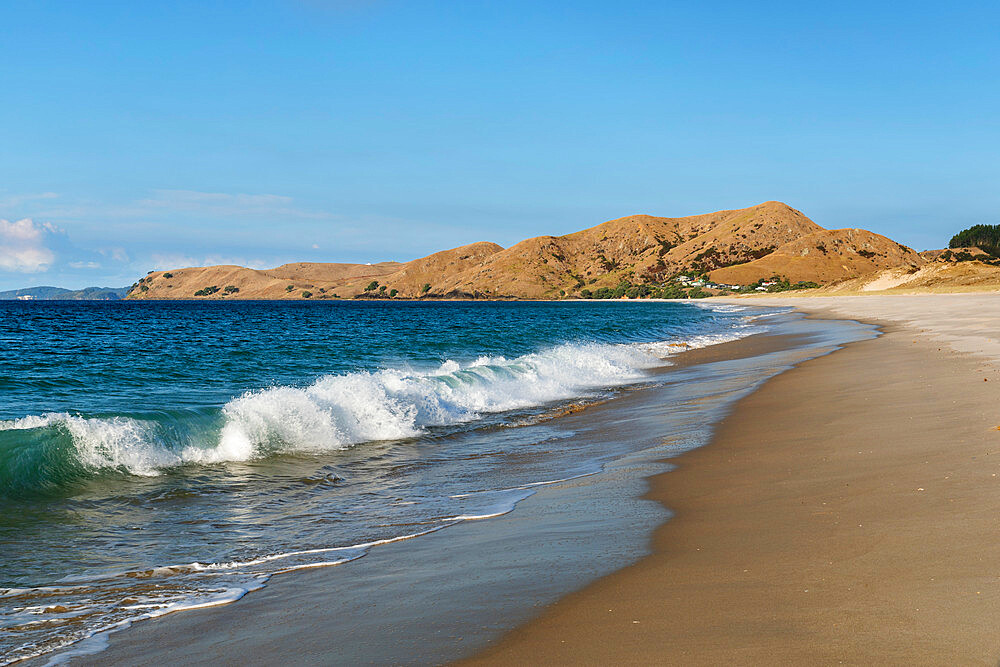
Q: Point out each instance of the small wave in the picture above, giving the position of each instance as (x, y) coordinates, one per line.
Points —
(720, 307)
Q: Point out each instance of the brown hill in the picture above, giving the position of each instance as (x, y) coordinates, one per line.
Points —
(952, 254)
(412, 276)
(736, 246)
(939, 276)
(824, 257)
(331, 272)
(639, 248)
(292, 281)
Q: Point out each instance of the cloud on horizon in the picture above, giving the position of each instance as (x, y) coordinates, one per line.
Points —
(24, 246)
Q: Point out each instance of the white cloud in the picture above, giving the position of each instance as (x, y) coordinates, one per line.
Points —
(225, 204)
(85, 265)
(23, 246)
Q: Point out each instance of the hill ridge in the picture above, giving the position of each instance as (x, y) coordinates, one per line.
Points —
(767, 238)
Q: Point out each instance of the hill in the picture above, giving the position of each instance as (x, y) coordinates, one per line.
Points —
(47, 293)
(733, 246)
(960, 269)
(825, 256)
(640, 248)
(984, 237)
(305, 280)
(967, 276)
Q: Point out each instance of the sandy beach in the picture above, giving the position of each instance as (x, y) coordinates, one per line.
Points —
(447, 595)
(843, 512)
(846, 512)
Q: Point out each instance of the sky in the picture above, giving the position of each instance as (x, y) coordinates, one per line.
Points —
(137, 136)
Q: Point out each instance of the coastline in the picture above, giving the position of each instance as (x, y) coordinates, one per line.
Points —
(752, 500)
(844, 512)
(444, 595)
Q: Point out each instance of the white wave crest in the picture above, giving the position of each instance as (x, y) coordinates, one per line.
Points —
(116, 442)
(339, 411)
(343, 410)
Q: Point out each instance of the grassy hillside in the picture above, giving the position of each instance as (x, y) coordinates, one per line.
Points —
(732, 246)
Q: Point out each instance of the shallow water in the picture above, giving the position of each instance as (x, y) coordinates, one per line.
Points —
(450, 593)
(163, 456)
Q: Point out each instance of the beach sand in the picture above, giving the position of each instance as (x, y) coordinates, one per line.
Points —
(846, 512)
(446, 595)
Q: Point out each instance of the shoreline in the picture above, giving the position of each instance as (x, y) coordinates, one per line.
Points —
(843, 512)
(570, 534)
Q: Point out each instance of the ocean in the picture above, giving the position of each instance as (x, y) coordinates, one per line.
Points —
(163, 456)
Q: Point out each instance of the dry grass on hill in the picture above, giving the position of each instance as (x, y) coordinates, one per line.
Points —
(733, 246)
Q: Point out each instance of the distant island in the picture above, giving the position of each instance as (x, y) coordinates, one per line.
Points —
(63, 294)
(769, 247)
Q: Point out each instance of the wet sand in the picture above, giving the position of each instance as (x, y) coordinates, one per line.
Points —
(846, 512)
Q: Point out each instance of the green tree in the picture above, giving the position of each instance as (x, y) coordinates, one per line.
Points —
(393, 293)
(984, 237)
(289, 288)
(426, 288)
(306, 294)
(372, 286)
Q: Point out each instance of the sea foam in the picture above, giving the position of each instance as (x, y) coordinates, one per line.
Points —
(341, 411)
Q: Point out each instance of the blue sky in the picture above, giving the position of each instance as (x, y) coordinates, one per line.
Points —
(136, 136)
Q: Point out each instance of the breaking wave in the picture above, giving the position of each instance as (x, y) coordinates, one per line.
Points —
(41, 453)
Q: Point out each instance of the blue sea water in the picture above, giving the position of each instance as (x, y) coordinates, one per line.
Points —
(164, 456)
